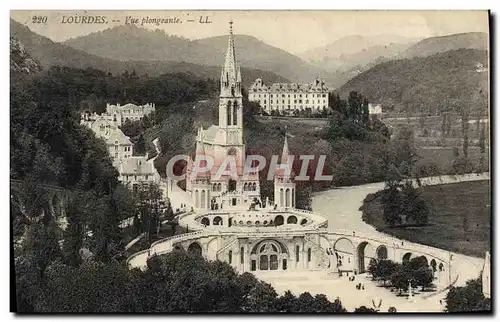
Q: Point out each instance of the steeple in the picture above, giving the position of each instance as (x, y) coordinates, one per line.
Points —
(230, 75)
(286, 152)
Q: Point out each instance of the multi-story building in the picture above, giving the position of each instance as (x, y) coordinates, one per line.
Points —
(119, 145)
(289, 96)
(133, 170)
(120, 113)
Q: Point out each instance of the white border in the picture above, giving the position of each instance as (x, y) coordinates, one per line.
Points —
(212, 5)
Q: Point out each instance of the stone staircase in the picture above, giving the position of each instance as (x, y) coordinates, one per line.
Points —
(323, 260)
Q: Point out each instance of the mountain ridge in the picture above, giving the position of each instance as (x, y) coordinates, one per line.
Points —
(133, 42)
(50, 53)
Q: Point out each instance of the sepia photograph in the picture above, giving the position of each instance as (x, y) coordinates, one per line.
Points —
(280, 161)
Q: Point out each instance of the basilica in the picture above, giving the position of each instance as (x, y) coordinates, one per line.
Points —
(224, 143)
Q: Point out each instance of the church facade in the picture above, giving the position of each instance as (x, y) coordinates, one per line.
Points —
(224, 144)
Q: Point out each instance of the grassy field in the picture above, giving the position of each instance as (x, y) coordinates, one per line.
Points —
(459, 221)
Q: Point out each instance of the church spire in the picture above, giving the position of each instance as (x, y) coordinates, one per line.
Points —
(230, 63)
(286, 152)
(230, 75)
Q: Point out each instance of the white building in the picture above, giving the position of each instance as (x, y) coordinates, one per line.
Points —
(119, 145)
(132, 112)
(133, 170)
(374, 109)
(289, 96)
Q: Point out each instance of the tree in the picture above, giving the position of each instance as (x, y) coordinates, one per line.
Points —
(74, 233)
(364, 309)
(424, 277)
(414, 206)
(385, 269)
(391, 203)
(468, 298)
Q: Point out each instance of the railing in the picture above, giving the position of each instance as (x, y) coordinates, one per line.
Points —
(223, 249)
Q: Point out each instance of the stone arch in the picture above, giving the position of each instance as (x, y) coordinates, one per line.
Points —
(382, 252)
(433, 265)
(178, 248)
(406, 257)
(343, 249)
(279, 220)
(195, 248)
(217, 221)
(303, 221)
(291, 220)
(205, 221)
(269, 255)
(365, 254)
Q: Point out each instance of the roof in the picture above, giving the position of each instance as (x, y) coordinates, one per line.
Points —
(117, 135)
(135, 165)
(210, 133)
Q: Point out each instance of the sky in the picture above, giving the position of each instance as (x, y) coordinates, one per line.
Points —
(293, 31)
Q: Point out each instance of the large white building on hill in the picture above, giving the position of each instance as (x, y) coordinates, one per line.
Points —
(133, 170)
(289, 96)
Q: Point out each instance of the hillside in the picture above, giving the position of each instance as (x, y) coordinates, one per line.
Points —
(135, 43)
(433, 45)
(356, 51)
(426, 84)
(49, 53)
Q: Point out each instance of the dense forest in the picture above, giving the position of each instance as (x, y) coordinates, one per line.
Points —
(431, 85)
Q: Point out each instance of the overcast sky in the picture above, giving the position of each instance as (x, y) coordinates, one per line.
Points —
(294, 31)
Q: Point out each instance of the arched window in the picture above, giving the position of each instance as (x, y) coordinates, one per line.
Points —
(281, 197)
(297, 251)
(203, 199)
(230, 256)
(293, 197)
(268, 254)
(229, 109)
(218, 187)
(205, 221)
(309, 255)
(287, 198)
(254, 187)
(217, 221)
(245, 187)
(235, 113)
(242, 255)
(197, 199)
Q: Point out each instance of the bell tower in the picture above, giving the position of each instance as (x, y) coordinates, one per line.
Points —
(231, 98)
